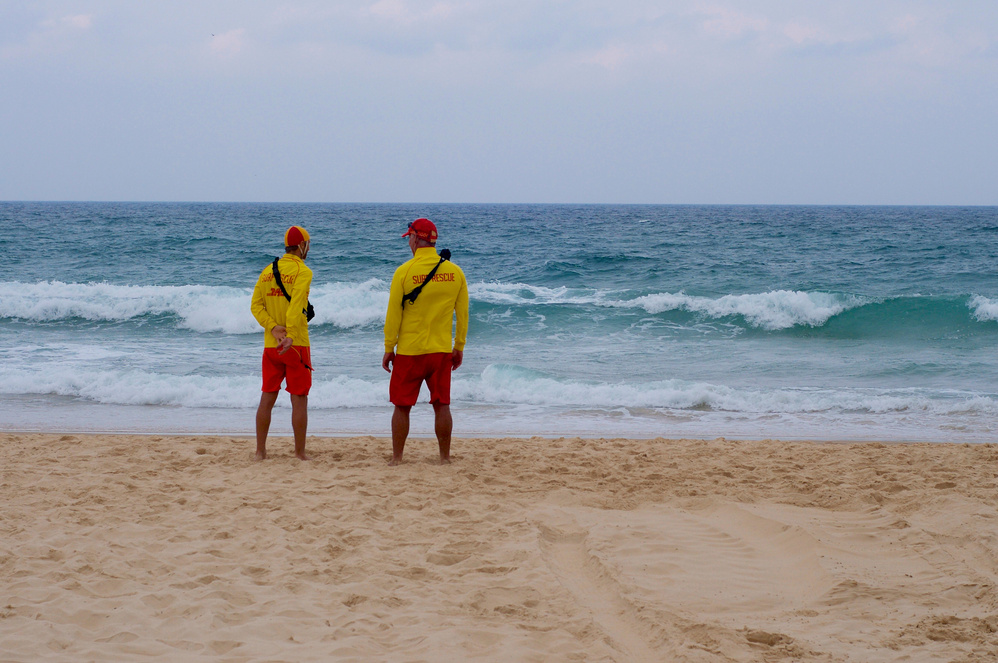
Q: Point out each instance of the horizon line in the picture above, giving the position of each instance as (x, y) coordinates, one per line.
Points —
(543, 204)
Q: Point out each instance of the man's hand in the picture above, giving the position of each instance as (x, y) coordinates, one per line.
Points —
(386, 361)
(456, 358)
(279, 332)
(284, 345)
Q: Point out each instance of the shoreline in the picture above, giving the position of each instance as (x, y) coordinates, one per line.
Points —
(532, 549)
(383, 435)
(68, 415)
(386, 436)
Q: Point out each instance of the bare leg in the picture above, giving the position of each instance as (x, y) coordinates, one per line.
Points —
(400, 431)
(443, 423)
(299, 423)
(267, 400)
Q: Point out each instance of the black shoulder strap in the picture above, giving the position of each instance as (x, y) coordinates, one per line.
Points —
(277, 277)
(309, 311)
(411, 297)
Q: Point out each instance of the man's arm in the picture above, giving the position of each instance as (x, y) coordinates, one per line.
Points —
(461, 308)
(393, 316)
(461, 335)
(260, 310)
(393, 319)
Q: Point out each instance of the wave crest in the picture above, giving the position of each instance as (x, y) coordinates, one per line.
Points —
(984, 309)
(201, 308)
(510, 384)
(523, 294)
(138, 387)
(498, 384)
(777, 309)
(351, 305)
(773, 310)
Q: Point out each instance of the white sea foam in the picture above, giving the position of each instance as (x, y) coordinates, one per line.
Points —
(348, 305)
(515, 385)
(497, 385)
(777, 309)
(984, 309)
(200, 308)
(137, 387)
(351, 305)
(521, 294)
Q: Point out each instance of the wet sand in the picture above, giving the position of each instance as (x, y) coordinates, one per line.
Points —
(123, 548)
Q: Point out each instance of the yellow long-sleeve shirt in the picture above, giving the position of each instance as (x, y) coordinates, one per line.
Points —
(427, 326)
(270, 307)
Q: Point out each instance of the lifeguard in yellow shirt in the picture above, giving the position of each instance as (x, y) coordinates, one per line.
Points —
(283, 312)
(420, 338)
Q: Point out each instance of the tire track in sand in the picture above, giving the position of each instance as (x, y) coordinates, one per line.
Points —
(563, 545)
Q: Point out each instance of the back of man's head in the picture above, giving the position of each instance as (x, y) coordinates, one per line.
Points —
(294, 237)
(425, 232)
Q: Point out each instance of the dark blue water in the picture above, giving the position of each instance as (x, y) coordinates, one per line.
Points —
(873, 322)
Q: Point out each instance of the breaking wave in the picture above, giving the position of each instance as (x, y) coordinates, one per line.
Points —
(346, 305)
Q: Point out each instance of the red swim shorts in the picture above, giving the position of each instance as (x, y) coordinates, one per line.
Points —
(409, 372)
(293, 365)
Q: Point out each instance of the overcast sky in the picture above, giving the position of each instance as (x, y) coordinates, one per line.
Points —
(592, 101)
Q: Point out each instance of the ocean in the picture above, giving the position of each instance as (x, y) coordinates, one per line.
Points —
(830, 323)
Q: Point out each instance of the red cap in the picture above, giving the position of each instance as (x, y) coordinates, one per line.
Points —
(424, 230)
(295, 235)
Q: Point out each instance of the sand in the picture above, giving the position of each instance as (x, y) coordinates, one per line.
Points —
(125, 548)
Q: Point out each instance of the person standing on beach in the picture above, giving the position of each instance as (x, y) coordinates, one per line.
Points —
(282, 309)
(419, 323)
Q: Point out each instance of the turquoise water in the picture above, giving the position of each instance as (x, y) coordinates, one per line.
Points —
(805, 322)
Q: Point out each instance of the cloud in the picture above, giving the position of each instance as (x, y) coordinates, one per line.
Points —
(228, 44)
(800, 33)
(74, 22)
(728, 23)
(395, 10)
(610, 57)
(400, 11)
(52, 36)
(929, 40)
(79, 22)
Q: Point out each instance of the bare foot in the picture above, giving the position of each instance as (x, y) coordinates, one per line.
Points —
(261, 454)
(395, 461)
(303, 456)
(445, 461)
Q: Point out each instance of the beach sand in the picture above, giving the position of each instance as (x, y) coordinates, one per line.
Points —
(125, 548)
